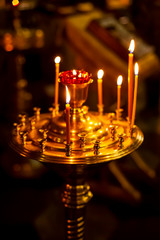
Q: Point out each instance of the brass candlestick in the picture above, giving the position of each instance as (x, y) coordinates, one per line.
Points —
(95, 138)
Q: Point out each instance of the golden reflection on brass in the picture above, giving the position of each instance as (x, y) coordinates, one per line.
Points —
(86, 128)
(96, 137)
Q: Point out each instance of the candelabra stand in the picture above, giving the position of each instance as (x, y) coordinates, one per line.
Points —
(94, 138)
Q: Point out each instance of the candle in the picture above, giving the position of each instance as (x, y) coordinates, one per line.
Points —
(99, 82)
(57, 61)
(135, 94)
(119, 83)
(67, 116)
(130, 78)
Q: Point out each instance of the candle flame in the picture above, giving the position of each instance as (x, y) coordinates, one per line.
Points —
(15, 3)
(119, 80)
(136, 68)
(100, 73)
(67, 95)
(57, 59)
(131, 46)
(74, 72)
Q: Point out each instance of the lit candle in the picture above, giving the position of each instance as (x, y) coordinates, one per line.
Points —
(130, 78)
(99, 81)
(57, 61)
(67, 116)
(119, 83)
(135, 94)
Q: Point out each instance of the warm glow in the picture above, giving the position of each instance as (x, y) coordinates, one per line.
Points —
(119, 80)
(15, 2)
(74, 72)
(67, 95)
(136, 68)
(57, 59)
(100, 73)
(131, 46)
(80, 75)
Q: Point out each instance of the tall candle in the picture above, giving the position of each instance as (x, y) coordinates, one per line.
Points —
(57, 61)
(135, 94)
(67, 116)
(119, 83)
(130, 78)
(100, 90)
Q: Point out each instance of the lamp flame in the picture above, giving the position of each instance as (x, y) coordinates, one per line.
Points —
(15, 3)
(100, 73)
(131, 46)
(80, 75)
(67, 95)
(136, 68)
(57, 59)
(119, 80)
(74, 72)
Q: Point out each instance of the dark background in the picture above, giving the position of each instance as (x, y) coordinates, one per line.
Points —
(30, 199)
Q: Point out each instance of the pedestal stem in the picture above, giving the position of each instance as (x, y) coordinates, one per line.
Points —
(75, 198)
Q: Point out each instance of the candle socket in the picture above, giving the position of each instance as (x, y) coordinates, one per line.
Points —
(68, 149)
(120, 141)
(96, 147)
(131, 131)
(112, 130)
(22, 119)
(100, 108)
(56, 109)
(52, 110)
(111, 117)
(85, 109)
(32, 123)
(119, 113)
(24, 138)
(37, 113)
(82, 139)
(17, 128)
(43, 145)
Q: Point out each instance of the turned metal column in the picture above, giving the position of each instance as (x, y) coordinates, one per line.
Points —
(75, 197)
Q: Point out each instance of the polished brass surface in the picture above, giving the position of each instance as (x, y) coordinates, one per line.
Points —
(75, 199)
(96, 137)
(91, 126)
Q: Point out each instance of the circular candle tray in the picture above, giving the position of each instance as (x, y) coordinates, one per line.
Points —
(95, 138)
